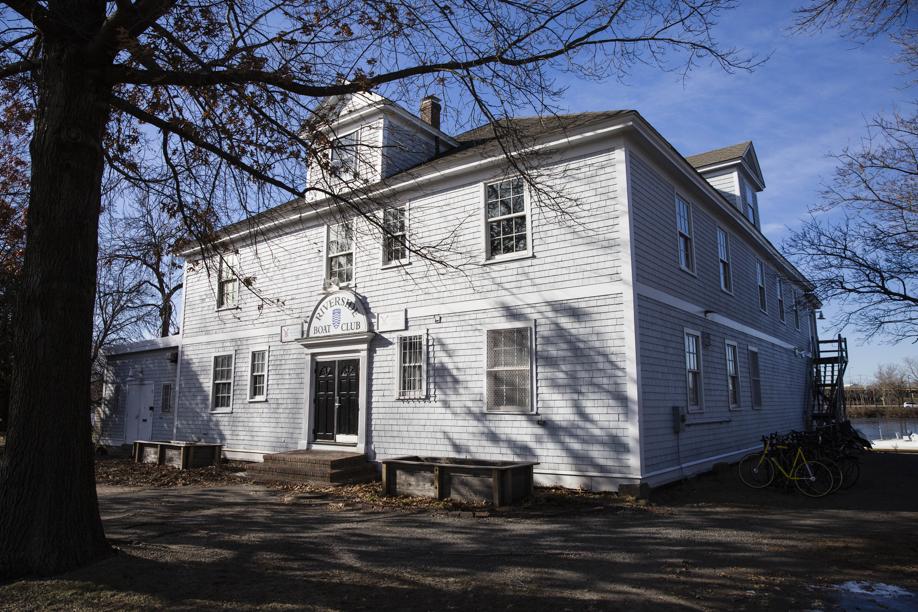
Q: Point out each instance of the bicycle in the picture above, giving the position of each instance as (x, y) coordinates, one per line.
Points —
(758, 470)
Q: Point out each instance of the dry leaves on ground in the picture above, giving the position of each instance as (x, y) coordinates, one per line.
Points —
(126, 473)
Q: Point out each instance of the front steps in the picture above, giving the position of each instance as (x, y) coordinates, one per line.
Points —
(314, 467)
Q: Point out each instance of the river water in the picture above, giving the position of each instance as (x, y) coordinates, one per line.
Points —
(886, 429)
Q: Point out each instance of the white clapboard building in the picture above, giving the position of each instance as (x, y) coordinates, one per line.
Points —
(613, 312)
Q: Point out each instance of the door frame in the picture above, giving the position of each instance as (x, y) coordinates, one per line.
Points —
(351, 346)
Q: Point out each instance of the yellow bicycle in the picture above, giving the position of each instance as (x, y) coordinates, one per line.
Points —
(758, 470)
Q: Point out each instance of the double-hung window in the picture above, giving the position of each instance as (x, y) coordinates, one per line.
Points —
(693, 383)
(395, 225)
(755, 378)
(509, 369)
(165, 406)
(733, 392)
(796, 310)
(222, 385)
(227, 281)
(340, 254)
(760, 281)
(684, 235)
(412, 366)
(781, 313)
(344, 151)
(723, 254)
(258, 375)
(506, 218)
(748, 201)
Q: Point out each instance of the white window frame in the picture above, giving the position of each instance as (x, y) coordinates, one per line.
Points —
(213, 382)
(796, 310)
(335, 160)
(728, 344)
(721, 261)
(761, 294)
(688, 404)
(690, 236)
(267, 351)
(395, 263)
(782, 315)
(162, 398)
(328, 254)
(399, 394)
(533, 396)
(527, 211)
(230, 263)
(755, 376)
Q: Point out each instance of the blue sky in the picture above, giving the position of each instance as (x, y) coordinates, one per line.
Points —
(811, 98)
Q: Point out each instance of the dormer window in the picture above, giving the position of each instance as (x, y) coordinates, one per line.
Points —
(748, 200)
(344, 151)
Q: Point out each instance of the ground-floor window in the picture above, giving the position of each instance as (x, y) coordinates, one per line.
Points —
(693, 371)
(258, 375)
(412, 366)
(509, 369)
(222, 389)
(755, 378)
(166, 402)
(733, 394)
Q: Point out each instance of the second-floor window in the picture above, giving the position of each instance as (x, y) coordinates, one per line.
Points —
(781, 314)
(395, 224)
(227, 282)
(723, 254)
(760, 281)
(340, 254)
(684, 234)
(507, 225)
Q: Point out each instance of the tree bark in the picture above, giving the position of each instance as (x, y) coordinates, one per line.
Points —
(49, 516)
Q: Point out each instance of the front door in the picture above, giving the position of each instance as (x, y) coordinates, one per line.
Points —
(337, 400)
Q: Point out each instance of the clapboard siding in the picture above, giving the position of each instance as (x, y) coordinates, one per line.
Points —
(727, 183)
(134, 368)
(287, 271)
(661, 327)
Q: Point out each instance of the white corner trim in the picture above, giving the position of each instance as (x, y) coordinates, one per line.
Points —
(699, 311)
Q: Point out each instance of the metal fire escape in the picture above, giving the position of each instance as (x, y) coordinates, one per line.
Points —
(829, 380)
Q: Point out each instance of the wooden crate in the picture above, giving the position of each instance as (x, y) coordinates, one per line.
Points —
(181, 455)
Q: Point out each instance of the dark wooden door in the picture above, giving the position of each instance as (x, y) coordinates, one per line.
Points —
(325, 400)
(348, 396)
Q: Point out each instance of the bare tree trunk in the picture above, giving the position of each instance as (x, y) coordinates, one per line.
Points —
(165, 313)
(49, 517)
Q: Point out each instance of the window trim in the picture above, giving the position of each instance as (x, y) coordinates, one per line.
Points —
(691, 235)
(327, 285)
(232, 382)
(761, 289)
(533, 352)
(396, 263)
(221, 261)
(739, 398)
(425, 389)
(688, 406)
(340, 163)
(163, 395)
(782, 305)
(527, 211)
(729, 261)
(267, 351)
(752, 378)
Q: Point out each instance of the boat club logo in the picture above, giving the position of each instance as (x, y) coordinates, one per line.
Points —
(336, 318)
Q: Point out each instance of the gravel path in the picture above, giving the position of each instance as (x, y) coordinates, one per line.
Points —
(708, 543)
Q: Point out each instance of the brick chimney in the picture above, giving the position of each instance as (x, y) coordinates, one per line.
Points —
(430, 111)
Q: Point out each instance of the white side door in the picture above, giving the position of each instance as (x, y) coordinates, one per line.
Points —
(139, 412)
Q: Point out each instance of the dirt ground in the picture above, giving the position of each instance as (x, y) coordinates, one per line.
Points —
(707, 543)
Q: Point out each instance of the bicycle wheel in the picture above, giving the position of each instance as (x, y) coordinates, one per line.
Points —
(756, 471)
(813, 479)
(851, 468)
(838, 475)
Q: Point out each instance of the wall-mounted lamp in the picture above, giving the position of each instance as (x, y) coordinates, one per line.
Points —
(820, 316)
